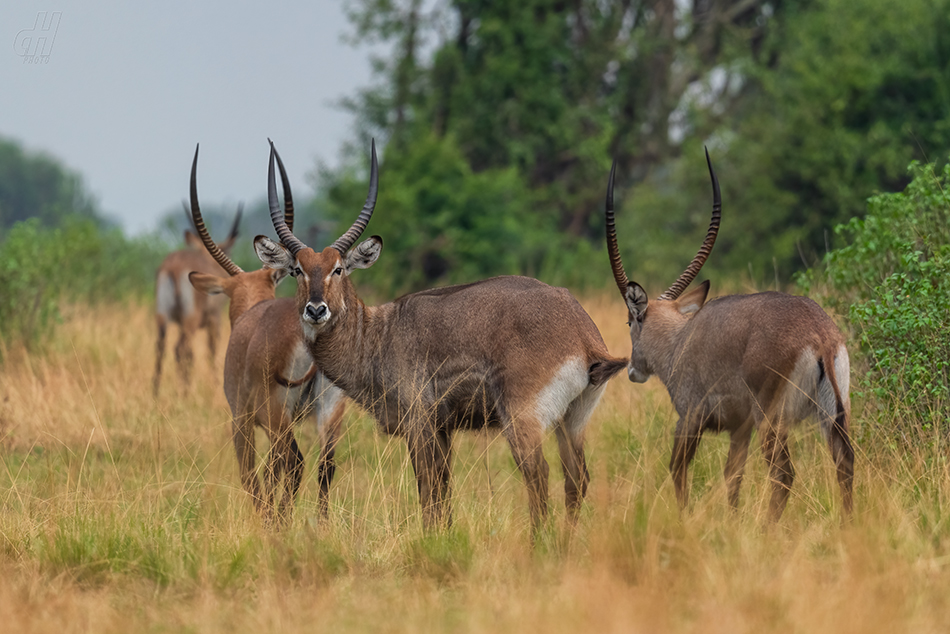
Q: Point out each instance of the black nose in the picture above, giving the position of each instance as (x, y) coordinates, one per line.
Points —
(316, 313)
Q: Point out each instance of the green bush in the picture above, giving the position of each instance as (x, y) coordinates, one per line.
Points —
(27, 301)
(75, 261)
(894, 280)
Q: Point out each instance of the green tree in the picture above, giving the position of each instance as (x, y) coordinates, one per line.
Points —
(846, 94)
(807, 106)
(442, 221)
(542, 91)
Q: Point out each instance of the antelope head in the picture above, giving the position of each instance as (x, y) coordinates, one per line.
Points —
(324, 290)
(655, 324)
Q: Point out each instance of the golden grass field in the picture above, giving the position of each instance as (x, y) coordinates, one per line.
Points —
(123, 513)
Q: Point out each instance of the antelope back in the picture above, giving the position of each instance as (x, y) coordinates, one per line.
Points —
(761, 339)
(175, 297)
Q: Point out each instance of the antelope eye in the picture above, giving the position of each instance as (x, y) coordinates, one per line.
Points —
(296, 271)
(338, 270)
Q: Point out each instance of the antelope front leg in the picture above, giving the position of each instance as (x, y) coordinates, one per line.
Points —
(326, 465)
(242, 432)
(685, 442)
(430, 453)
(287, 462)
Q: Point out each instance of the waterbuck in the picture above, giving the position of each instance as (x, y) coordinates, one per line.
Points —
(177, 302)
(507, 352)
(737, 363)
(270, 379)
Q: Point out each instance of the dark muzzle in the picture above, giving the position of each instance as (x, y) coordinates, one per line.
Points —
(316, 313)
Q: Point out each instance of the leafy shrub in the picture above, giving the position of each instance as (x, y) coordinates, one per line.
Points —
(76, 261)
(894, 279)
(440, 221)
(27, 303)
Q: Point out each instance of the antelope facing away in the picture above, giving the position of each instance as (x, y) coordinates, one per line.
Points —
(177, 302)
(270, 379)
(507, 352)
(737, 363)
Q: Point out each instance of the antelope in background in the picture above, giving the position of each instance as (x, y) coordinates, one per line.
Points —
(507, 352)
(177, 302)
(265, 351)
(737, 363)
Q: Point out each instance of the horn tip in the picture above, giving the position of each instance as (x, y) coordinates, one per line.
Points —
(610, 186)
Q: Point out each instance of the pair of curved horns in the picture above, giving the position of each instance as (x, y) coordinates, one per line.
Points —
(687, 276)
(195, 214)
(285, 233)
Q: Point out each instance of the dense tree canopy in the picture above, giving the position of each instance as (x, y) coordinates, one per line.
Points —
(856, 90)
(514, 111)
(534, 98)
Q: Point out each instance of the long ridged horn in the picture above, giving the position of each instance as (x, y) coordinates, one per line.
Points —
(616, 264)
(288, 197)
(284, 233)
(693, 269)
(219, 256)
(344, 242)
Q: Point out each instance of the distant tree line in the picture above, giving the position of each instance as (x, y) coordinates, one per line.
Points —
(56, 245)
(35, 185)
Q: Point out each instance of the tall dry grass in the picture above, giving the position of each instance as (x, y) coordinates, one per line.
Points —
(121, 513)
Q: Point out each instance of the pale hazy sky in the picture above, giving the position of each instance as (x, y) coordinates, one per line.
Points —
(130, 87)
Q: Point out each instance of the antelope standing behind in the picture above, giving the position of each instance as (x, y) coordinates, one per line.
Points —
(177, 302)
(265, 351)
(507, 352)
(737, 363)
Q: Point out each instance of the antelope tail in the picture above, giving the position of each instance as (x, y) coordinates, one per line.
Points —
(603, 370)
(833, 410)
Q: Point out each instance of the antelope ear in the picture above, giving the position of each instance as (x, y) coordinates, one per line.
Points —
(274, 255)
(364, 254)
(692, 301)
(278, 276)
(204, 283)
(193, 241)
(636, 299)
